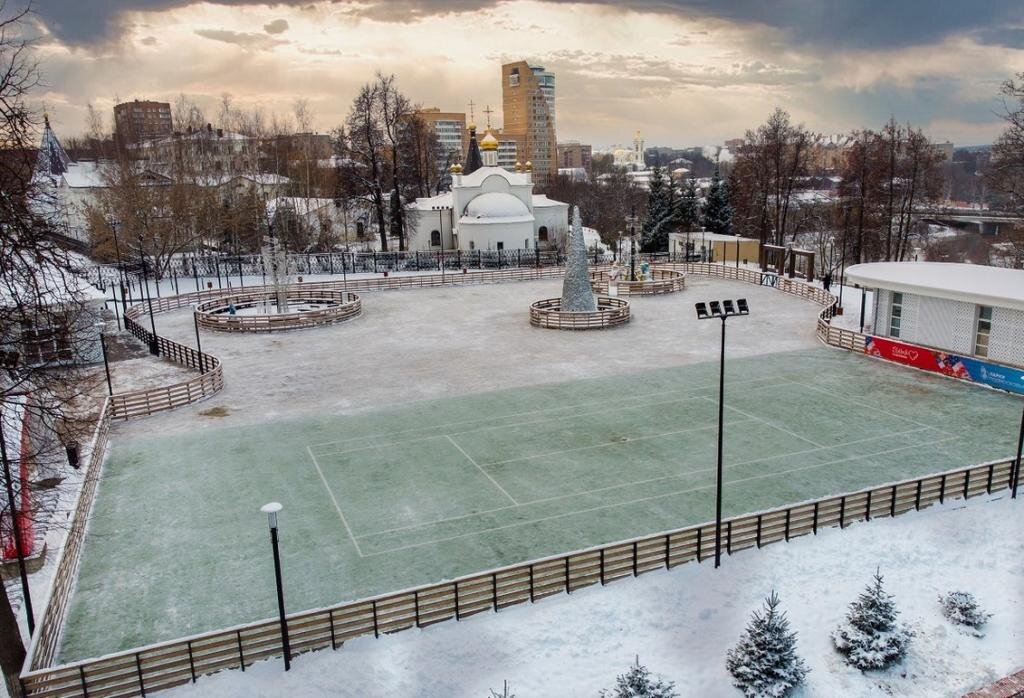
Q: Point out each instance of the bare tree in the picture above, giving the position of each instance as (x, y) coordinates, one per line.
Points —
(364, 154)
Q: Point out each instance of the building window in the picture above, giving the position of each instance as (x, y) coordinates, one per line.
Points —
(542, 233)
(435, 238)
(360, 229)
(984, 330)
(896, 315)
(472, 245)
(501, 245)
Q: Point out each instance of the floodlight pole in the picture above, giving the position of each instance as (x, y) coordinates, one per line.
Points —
(1016, 467)
(721, 420)
(271, 510)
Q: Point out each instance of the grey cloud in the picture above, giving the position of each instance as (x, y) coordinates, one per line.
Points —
(825, 23)
(278, 26)
(246, 40)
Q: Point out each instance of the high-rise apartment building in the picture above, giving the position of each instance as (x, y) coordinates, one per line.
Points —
(528, 106)
(450, 128)
(138, 121)
(573, 154)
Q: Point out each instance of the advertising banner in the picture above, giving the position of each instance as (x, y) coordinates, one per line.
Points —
(984, 372)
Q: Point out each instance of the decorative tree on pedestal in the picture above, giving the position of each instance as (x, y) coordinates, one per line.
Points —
(577, 295)
(765, 663)
(870, 638)
(276, 267)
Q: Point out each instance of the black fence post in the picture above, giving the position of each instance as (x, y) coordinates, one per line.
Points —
(81, 679)
(917, 497)
(494, 591)
(376, 627)
(330, 619)
(241, 654)
(988, 485)
(942, 489)
(531, 583)
(138, 669)
(699, 530)
(635, 560)
(967, 483)
(600, 569)
(416, 611)
(191, 661)
(728, 537)
(842, 511)
(456, 591)
(568, 587)
(788, 513)
(867, 508)
(814, 521)
(758, 535)
(667, 552)
(892, 502)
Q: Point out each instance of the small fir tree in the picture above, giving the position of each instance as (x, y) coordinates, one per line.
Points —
(638, 682)
(961, 608)
(870, 638)
(656, 226)
(717, 214)
(687, 215)
(765, 664)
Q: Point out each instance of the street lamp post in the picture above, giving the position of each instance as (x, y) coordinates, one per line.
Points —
(16, 533)
(1016, 467)
(120, 267)
(721, 310)
(271, 509)
(153, 349)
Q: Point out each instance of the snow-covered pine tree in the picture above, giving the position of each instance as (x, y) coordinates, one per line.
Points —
(717, 214)
(764, 664)
(657, 224)
(638, 682)
(687, 214)
(870, 638)
(961, 608)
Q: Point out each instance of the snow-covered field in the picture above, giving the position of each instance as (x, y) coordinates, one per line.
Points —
(682, 622)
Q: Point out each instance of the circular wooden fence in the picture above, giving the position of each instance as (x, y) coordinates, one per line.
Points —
(329, 307)
(662, 281)
(610, 312)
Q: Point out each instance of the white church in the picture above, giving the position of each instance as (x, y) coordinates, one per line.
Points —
(488, 208)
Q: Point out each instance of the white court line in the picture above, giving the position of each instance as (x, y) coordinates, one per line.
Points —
(784, 430)
(337, 508)
(644, 499)
(854, 401)
(676, 476)
(603, 401)
(544, 420)
(627, 440)
(486, 474)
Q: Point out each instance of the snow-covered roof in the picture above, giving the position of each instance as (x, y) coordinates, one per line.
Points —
(432, 203)
(50, 283)
(300, 204)
(971, 283)
(81, 175)
(542, 201)
(497, 206)
(477, 177)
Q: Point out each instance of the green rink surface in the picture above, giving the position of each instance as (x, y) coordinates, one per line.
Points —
(383, 500)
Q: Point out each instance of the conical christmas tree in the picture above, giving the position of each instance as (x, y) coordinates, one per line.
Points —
(717, 215)
(765, 663)
(871, 638)
(577, 295)
(638, 682)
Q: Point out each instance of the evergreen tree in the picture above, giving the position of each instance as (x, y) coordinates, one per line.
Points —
(655, 230)
(639, 683)
(870, 638)
(717, 215)
(765, 663)
(687, 211)
(961, 608)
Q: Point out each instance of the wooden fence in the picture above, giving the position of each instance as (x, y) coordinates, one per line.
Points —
(48, 631)
(160, 666)
(663, 280)
(338, 306)
(610, 312)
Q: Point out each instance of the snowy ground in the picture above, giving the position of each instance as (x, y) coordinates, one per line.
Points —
(681, 622)
(428, 343)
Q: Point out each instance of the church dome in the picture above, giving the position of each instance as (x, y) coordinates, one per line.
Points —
(496, 205)
(489, 142)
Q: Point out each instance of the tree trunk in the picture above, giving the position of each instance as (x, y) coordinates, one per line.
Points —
(12, 651)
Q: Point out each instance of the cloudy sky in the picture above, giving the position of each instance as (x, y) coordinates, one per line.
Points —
(683, 72)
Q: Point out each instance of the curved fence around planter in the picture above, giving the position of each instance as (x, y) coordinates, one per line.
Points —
(662, 281)
(337, 306)
(610, 312)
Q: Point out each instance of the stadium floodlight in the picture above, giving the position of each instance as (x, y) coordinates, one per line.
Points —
(271, 509)
(721, 310)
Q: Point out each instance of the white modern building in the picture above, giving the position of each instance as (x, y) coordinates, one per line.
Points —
(488, 208)
(969, 310)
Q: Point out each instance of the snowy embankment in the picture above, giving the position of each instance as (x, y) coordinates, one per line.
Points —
(682, 622)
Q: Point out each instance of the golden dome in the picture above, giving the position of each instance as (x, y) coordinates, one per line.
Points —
(456, 168)
(529, 165)
(489, 142)
(519, 166)
(471, 126)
